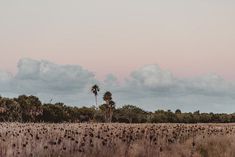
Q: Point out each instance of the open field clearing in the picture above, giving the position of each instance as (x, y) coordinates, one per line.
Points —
(117, 140)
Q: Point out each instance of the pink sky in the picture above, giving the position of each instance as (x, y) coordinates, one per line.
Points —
(187, 38)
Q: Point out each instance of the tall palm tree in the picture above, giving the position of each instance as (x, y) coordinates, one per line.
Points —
(107, 97)
(109, 106)
(95, 89)
(110, 111)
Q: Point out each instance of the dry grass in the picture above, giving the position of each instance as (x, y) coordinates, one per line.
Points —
(117, 140)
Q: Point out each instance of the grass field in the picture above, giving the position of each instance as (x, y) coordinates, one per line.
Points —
(117, 140)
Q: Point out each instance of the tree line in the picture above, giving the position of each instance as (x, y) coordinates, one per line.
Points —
(31, 109)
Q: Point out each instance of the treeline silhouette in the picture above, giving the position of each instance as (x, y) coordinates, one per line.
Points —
(30, 109)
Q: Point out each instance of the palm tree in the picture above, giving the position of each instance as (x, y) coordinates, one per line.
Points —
(110, 104)
(111, 108)
(95, 89)
(107, 97)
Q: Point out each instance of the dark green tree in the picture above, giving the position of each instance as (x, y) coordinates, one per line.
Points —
(178, 111)
(109, 106)
(10, 110)
(95, 90)
(132, 113)
(31, 107)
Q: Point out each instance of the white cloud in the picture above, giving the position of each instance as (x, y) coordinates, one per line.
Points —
(157, 88)
(152, 76)
(150, 87)
(46, 78)
(111, 81)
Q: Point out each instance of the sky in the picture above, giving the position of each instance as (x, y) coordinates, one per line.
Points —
(154, 54)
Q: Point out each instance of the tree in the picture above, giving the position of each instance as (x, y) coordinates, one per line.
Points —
(10, 110)
(31, 107)
(109, 106)
(178, 111)
(107, 97)
(95, 89)
(131, 113)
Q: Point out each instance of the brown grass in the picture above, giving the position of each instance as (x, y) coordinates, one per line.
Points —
(117, 140)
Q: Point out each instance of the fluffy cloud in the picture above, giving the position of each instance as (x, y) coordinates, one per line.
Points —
(152, 76)
(154, 88)
(150, 87)
(47, 79)
(44, 76)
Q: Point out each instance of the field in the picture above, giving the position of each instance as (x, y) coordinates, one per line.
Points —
(117, 140)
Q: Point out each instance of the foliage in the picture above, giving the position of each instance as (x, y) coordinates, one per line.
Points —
(108, 107)
(30, 109)
(95, 89)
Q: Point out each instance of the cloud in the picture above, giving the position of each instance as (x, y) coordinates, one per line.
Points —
(111, 81)
(5, 81)
(152, 76)
(210, 85)
(46, 78)
(148, 87)
(155, 88)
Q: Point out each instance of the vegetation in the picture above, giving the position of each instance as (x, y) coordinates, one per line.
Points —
(95, 90)
(30, 109)
(116, 140)
(37, 135)
(108, 107)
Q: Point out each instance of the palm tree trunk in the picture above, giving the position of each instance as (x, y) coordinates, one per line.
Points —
(111, 115)
(96, 100)
(106, 116)
(107, 112)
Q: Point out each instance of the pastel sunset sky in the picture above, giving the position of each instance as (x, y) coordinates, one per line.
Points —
(131, 39)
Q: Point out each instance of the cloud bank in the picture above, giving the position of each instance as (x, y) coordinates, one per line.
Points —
(149, 87)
